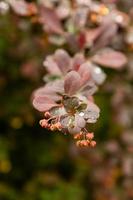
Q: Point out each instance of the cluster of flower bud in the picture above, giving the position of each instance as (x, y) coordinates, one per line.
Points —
(50, 123)
(85, 139)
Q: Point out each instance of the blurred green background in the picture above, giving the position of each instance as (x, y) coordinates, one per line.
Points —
(39, 165)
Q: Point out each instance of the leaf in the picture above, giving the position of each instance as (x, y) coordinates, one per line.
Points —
(49, 17)
(98, 74)
(78, 59)
(72, 82)
(63, 60)
(79, 121)
(84, 71)
(107, 31)
(77, 124)
(43, 103)
(72, 41)
(92, 35)
(89, 89)
(92, 112)
(51, 90)
(93, 107)
(66, 121)
(51, 66)
(23, 8)
(110, 58)
(80, 17)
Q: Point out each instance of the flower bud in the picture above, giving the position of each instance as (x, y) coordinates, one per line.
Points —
(78, 136)
(44, 123)
(53, 127)
(47, 115)
(58, 126)
(93, 143)
(90, 136)
(84, 143)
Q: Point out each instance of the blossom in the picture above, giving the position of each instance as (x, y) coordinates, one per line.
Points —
(70, 116)
(66, 101)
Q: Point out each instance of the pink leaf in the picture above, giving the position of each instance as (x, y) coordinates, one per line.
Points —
(84, 72)
(93, 107)
(63, 60)
(51, 89)
(49, 17)
(79, 121)
(72, 82)
(55, 86)
(47, 92)
(51, 66)
(110, 58)
(89, 89)
(107, 31)
(92, 34)
(77, 61)
(43, 103)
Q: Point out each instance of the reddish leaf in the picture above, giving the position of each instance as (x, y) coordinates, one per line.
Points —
(43, 91)
(43, 103)
(49, 18)
(81, 40)
(78, 59)
(84, 72)
(56, 86)
(51, 89)
(72, 82)
(72, 41)
(110, 58)
(89, 89)
(51, 66)
(63, 60)
(92, 34)
(107, 31)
